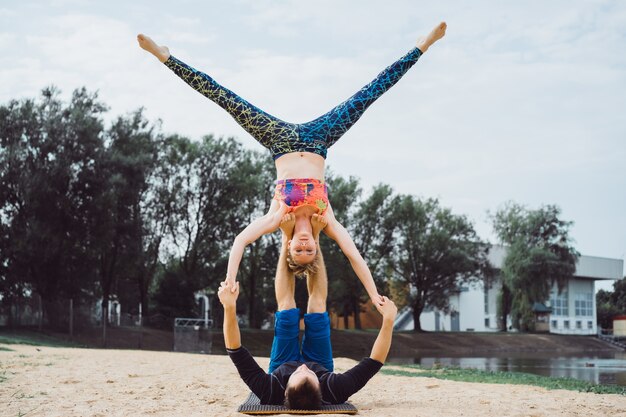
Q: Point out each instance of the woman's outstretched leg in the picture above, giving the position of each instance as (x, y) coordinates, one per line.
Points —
(332, 125)
(271, 132)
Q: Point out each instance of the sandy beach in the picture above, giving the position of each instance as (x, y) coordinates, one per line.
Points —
(46, 381)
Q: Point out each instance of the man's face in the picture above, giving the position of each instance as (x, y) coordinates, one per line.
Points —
(301, 374)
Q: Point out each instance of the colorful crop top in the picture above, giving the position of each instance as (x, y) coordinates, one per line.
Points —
(296, 192)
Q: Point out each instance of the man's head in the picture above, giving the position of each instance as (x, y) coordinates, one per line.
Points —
(303, 390)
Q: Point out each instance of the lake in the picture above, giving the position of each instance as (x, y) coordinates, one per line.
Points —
(609, 369)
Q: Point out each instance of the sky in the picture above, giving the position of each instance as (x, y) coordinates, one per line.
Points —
(521, 101)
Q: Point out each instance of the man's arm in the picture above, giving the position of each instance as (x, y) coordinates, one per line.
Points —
(249, 370)
(342, 386)
(381, 347)
(232, 335)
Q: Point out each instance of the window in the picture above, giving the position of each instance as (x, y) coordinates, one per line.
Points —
(584, 304)
(555, 324)
(566, 324)
(559, 304)
(590, 324)
(579, 324)
(487, 322)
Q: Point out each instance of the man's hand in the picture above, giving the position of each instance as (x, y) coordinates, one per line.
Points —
(228, 294)
(318, 223)
(380, 350)
(388, 309)
(287, 225)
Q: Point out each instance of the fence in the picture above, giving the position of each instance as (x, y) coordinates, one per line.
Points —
(192, 335)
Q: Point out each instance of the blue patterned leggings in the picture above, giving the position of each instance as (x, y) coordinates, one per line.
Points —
(281, 137)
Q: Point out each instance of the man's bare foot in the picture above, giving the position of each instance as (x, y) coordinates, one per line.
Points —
(161, 52)
(287, 225)
(317, 224)
(434, 35)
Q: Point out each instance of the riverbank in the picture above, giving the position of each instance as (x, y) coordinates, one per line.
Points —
(53, 381)
(348, 343)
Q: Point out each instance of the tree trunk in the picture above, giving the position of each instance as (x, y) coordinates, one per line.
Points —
(105, 317)
(346, 317)
(356, 309)
(252, 316)
(504, 307)
(417, 312)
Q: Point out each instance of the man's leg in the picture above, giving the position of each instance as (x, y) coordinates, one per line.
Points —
(316, 345)
(285, 346)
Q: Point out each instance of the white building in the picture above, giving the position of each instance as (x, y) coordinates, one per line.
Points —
(573, 311)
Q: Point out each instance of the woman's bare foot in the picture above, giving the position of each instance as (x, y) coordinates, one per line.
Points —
(161, 52)
(434, 35)
(287, 225)
(317, 224)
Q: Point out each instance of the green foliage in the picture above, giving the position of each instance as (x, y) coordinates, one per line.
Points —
(34, 339)
(344, 288)
(539, 256)
(436, 253)
(514, 378)
(611, 303)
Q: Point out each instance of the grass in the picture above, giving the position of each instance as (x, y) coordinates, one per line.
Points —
(5, 349)
(33, 339)
(496, 377)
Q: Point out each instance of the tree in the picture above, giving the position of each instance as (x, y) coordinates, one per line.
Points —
(611, 303)
(539, 256)
(344, 290)
(47, 151)
(372, 229)
(214, 187)
(121, 178)
(436, 253)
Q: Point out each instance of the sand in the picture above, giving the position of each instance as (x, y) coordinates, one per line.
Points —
(46, 381)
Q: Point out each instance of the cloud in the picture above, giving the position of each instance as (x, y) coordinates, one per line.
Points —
(520, 101)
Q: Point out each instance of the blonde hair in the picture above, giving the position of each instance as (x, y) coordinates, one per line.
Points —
(304, 269)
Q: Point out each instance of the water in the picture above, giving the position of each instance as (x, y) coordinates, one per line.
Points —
(609, 369)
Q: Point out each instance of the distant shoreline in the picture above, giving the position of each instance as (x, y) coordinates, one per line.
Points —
(346, 343)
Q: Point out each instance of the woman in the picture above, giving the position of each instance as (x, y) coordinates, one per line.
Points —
(299, 152)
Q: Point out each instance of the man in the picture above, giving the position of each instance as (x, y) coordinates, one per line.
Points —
(301, 377)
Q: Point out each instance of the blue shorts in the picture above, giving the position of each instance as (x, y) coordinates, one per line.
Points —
(315, 342)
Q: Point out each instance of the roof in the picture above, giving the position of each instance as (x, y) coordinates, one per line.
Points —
(587, 267)
(541, 308)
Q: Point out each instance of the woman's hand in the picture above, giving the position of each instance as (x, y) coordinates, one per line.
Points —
(378, 300)
(277, 216)
(228, 298)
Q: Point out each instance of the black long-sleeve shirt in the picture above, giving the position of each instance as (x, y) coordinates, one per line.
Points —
(270, 388)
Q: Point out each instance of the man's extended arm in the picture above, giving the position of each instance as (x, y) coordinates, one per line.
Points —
(342, 386)
(232, 335)
(383, 341)
(251, 373)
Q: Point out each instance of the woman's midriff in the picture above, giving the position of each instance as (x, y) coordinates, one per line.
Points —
(300, 165)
